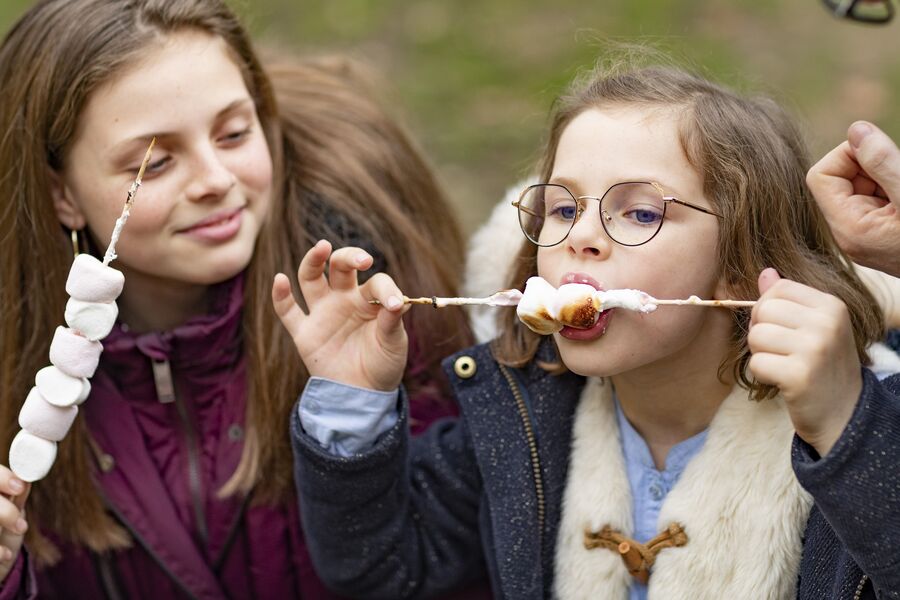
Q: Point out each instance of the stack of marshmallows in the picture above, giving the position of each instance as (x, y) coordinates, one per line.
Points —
(52, 404)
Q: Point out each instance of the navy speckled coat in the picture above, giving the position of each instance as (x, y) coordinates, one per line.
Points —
(412, 519)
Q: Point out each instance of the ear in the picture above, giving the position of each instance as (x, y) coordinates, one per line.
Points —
(67, 211)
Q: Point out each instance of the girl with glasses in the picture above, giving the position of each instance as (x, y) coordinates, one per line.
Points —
(688, 453)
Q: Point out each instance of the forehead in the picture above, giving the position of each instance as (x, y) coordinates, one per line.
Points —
(601, 147)
(182, 81)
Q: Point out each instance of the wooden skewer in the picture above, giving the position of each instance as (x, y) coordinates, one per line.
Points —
(129, 201)
(438, 302)
(695, 301)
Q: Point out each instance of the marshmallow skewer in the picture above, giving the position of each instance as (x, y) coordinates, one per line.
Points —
(52, 404)
(509, 298)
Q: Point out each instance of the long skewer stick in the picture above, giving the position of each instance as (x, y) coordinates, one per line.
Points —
(438, 302)
(129, 201)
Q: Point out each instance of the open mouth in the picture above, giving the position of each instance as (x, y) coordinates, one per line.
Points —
(600, 321)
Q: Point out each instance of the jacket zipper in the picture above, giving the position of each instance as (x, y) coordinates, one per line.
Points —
(162, 376)
(532, 447)
(860, 587)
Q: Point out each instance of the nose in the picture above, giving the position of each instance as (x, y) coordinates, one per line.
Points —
(212, 177)
(587, 237)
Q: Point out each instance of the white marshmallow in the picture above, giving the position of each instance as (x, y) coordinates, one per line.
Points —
(627, 299)
(44, 420)
(60, 389)
(574, 305)
(94, 320)
(31, 457)
(92, 281)
(535, 307)
(74, 354)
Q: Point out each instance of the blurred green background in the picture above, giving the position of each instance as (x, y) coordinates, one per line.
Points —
(474, 79)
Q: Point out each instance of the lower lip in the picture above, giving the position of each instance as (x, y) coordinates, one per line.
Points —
(221, 231)
(592, 333)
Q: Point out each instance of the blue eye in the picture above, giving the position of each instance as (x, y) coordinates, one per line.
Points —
(567, 213)
(644, 216)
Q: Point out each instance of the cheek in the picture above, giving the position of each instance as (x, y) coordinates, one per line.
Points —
(254, 167)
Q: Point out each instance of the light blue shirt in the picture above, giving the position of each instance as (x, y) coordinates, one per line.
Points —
(344, 419)
(649, 487)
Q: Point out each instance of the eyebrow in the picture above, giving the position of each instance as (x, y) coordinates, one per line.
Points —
(144, 139)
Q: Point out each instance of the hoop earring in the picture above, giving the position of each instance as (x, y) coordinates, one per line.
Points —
(76, 242)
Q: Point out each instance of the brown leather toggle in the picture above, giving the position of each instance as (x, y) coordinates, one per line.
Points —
(638, 557)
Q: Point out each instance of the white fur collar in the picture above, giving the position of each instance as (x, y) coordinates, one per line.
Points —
(743, 510)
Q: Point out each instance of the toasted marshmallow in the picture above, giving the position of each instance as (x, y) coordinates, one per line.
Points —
(60, 389)
(92, 281)
(535, 307)
(45, 420)
(627, 299)
(574, 305)
(74, 354)
(93, 320)
(30, 457)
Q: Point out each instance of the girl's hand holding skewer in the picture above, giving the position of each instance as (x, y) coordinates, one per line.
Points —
(13, 494)
(802, 342)
(344, 337)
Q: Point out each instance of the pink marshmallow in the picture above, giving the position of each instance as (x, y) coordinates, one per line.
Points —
(44, 420)
(92, 281)
(73, 354)
(60, 389)
(31, 457)
(93, 320)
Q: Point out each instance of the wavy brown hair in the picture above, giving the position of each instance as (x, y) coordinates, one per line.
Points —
(334, 151)
(753, 162)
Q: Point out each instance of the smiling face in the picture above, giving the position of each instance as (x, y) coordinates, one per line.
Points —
(598, 149)
(207, 189)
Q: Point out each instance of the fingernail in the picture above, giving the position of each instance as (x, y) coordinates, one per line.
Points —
(361, 258)
(858, 131)
(21, 526)
(394, 303)
(16, 485)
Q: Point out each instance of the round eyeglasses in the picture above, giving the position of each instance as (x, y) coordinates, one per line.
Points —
(631, 212)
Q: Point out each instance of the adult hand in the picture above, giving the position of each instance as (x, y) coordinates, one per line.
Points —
(857, 186)
(344, 337)
(12, 519)
(802, 342)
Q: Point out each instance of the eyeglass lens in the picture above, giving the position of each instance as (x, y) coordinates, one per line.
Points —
(631, 213)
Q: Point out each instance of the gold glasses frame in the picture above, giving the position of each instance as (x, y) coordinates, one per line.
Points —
(581, 204)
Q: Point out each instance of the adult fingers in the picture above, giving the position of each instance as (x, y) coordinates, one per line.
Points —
(344, 264)
(878, 155)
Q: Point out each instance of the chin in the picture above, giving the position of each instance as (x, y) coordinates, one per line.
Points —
(223, 269)
(586, 359)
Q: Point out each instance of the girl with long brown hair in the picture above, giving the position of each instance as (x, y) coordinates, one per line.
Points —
(176, 479)
(686, 453)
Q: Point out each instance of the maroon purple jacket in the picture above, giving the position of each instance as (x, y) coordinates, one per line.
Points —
(165, 461)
